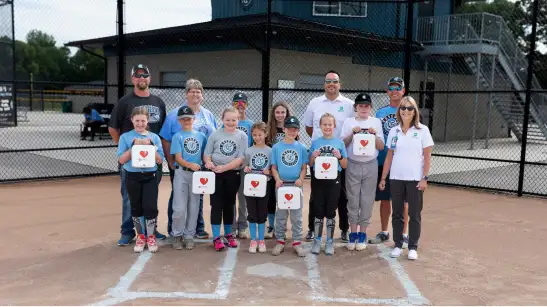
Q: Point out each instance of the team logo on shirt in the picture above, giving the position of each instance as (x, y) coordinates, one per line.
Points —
(154, 114)
(326, 150)
(259, 161)
(228, 148)
(388, 122)
(289, 157)
(279, 137)
(191, 146)
(244, 129)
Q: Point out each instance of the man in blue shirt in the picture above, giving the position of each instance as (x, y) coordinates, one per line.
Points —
(395, 90)
(204, 122)
(93, 121)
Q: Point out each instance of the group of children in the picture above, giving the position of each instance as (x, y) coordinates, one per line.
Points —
(235, 150)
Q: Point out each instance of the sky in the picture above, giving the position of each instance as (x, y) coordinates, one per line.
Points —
(71, 20)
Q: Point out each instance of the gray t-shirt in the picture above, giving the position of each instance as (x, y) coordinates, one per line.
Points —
(258, 158)
(224, 147)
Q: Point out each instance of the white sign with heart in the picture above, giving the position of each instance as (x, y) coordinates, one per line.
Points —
(364, 144)
(288, 197)
(326, 167)
(255, 185)
(143, 156)
(203, 182)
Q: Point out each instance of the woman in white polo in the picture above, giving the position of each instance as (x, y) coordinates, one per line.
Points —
(408, 162)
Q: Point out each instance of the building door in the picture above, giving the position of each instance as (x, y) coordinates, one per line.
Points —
(427, 103)
(426, 9)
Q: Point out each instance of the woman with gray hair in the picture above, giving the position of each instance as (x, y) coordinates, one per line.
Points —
(204, 121)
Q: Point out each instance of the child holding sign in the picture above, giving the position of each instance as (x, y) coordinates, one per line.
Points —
(362, 171)
(257, 160)
(326, 191)
(224, 155)
(187, 146)
(141, 183)
(289, 164)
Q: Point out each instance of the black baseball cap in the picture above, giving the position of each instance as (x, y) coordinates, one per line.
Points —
(185, 112)
(396, 80)
(140, 66)
(363, 98)
(240, 97)
(291, 122)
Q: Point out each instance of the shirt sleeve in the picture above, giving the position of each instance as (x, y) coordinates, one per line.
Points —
(390, 136)
(346, 129)
(247, 158)
(157, 142)
(343, 150)
(116, 117)
(244, 143)
(379, 130)
(122, 146)
(305, 154)
(165, 131)
(204, 143)
(427, 140)
(163, 110)
(308, 115)
(274, 155)
(175, 144)
(209, 147)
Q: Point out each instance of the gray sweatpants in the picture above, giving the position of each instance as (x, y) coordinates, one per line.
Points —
(240, 219)
(185, 205)
(361, 180)
(281, 216)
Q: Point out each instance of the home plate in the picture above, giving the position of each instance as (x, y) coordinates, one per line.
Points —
(270, 270)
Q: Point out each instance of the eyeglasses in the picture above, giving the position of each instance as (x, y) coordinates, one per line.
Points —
(329, 81)
(395, 88)
(407, 108)
(141, 76)
(240, 102)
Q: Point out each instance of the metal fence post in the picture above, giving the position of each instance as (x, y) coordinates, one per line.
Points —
(408, 43)
(476, 103)
(531, 54)
(121, 50)
(14, 66)
(266, 57)
(490, 102)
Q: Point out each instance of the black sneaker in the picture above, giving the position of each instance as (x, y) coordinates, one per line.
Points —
(310, 236)
(344, 237)
(380, 237)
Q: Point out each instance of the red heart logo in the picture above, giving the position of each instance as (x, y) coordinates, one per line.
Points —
(326, 166)
(143, 153)
(255, 184)
(288, 196)
(364, 143)
(203, 180)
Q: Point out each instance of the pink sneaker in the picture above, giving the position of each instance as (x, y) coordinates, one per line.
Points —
(140, 244)
(261, 246)
(219, 245)
(231, 240)
(152, 245)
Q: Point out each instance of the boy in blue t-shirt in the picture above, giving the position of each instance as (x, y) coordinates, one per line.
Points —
(289, 164)
(187, 146)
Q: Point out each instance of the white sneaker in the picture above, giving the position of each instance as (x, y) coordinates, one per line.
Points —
(412, 254)
(396, 252)
(350, 246)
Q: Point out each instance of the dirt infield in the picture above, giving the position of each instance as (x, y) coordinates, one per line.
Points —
(59, 248)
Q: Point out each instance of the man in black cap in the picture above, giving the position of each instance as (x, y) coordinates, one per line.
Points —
(120, 123)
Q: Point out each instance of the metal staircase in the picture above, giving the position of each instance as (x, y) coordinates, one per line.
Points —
(492, 53)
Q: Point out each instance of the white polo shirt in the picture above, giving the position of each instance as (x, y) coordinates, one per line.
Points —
(408, 152)
(341, 108)
(347, 129)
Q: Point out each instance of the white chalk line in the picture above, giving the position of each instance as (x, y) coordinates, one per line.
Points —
(226, 273)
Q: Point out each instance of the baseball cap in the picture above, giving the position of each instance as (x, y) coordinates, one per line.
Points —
(140, 66)
(185, 112)
(240, 97)
(363, 98)
(291, 122)
(396, 80)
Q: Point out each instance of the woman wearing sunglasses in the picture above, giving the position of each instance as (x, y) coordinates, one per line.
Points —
(408, 162)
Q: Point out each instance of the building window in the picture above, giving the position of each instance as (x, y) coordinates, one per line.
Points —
(340, 8)
(311, 81)
(173, 78)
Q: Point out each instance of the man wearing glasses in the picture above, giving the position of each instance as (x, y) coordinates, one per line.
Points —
(395, 90)
(342, 108)
(120, 123)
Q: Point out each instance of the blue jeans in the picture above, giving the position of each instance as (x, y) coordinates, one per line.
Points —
(201, 223)
(127, 221)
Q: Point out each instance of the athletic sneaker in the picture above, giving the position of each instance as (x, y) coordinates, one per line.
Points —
(412, 254)
(380, 237)
(299, 249)
(152, 245)
(218, 244)
(190, 244)
(261, 246)
(140, 244)
(252, 247)
(310, 236)
(177, 242)
(405, 241)
(231, 240)
(269, 234)
(278, 249)
(329, 248)
(202, 235)
(159, 235)
(396, 252)
(243, 234)
(352, 241)
(361, 241)
(344, 237)
(125, 240)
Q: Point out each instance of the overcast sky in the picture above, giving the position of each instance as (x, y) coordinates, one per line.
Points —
(70, 20)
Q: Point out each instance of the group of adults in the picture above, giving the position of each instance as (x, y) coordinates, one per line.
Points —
(332, 101)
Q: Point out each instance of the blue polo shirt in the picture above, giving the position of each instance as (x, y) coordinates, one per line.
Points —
(204, 122)
(126, 142)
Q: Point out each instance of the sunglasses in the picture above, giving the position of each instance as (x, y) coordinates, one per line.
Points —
(329, 81)
(240, 102)
(407, 108)
(395, 88)
(141, 76)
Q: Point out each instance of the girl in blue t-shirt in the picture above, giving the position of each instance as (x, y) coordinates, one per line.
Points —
(325, 192)
(141, 183)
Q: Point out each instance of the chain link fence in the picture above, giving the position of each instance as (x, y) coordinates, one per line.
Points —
(466, 66)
